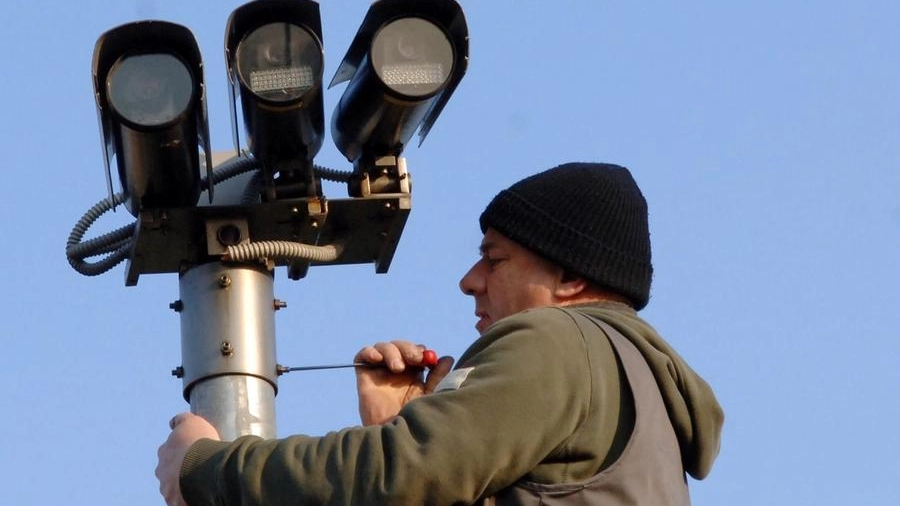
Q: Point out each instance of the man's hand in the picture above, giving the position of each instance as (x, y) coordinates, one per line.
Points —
(384, 390)
(186, 430)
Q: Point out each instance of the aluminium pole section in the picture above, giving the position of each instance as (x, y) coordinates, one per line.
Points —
(228, 347)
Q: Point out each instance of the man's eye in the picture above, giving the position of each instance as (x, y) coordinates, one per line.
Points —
(493, 262)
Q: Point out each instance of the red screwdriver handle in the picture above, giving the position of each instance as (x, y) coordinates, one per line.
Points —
(429, 358)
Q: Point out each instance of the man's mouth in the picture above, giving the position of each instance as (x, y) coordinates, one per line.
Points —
(484, 321)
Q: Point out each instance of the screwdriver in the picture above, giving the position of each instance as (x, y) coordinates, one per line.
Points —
(429, 360)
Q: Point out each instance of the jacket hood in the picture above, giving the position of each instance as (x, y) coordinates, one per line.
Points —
(693, 409)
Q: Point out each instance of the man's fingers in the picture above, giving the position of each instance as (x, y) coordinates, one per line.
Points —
(438, 372)
(174, 422)
(177, 419)
(370, 355)
(395, 355)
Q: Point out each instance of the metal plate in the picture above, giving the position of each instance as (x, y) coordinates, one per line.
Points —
(173, 240)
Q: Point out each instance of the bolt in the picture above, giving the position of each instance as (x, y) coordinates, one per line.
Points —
(227, 349)
(279, 304)
(178, 372)
(177, 306)
(224, 281)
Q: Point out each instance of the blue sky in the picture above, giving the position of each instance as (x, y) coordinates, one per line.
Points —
(765, 138)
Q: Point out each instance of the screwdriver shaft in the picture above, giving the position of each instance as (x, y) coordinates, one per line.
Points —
(429, 359)
(334, 366)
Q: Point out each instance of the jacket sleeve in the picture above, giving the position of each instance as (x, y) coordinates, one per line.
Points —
(525, 394)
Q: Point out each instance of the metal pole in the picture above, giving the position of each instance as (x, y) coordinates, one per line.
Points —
(228, 347)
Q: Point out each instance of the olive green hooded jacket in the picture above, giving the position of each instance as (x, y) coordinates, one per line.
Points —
(535, 398)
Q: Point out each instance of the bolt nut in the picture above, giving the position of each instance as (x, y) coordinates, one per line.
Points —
(178, 372)
(177, 306)
(279, 304)
(224, 281)
(227, 349)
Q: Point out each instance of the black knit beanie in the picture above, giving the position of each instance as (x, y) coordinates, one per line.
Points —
(588, 218)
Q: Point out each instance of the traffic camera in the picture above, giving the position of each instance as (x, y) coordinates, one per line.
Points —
(403, 64)
(273, 51)
(148, 84)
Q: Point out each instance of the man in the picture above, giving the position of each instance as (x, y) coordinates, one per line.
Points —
(567, 397)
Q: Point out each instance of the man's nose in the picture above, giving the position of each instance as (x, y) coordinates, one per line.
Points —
(472, 282)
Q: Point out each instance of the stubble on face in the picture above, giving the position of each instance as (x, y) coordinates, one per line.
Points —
(507, 279)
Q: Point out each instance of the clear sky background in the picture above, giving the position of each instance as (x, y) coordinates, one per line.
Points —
(766, 138)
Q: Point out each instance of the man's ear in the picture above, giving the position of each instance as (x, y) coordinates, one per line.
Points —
(569, 285)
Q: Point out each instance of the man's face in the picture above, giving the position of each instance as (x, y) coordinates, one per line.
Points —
(508, 279)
